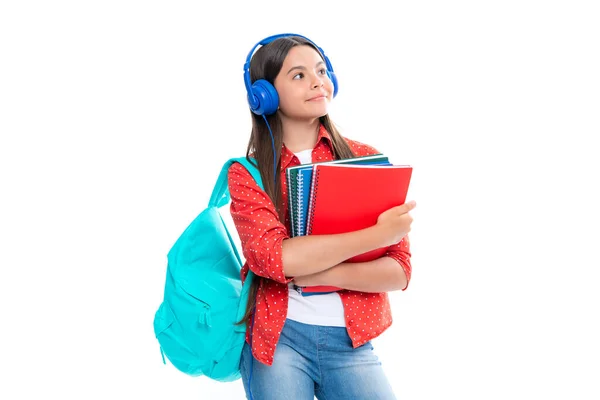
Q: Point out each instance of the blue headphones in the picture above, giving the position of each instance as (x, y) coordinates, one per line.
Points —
(262, 96)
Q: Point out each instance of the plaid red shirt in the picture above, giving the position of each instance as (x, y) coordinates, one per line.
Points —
(262, 233)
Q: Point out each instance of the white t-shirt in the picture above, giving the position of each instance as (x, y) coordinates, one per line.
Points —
(323, 309)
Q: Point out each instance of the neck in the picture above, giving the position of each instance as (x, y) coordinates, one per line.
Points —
(300, 135)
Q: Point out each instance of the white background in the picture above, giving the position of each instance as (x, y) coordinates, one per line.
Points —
(116, 116)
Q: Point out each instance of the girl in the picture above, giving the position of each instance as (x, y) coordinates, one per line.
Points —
(300, 347)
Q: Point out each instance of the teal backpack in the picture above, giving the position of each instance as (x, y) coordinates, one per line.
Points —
(203, 294)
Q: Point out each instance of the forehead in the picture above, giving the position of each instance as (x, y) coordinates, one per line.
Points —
(302, 55)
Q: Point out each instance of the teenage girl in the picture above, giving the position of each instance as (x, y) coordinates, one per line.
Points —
(298, 347)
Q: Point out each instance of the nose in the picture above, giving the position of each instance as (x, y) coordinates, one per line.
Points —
(318, 81)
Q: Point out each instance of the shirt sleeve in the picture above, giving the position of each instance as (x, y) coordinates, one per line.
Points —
(257, 222)
(401, 253)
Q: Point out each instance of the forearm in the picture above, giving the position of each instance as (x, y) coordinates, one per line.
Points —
(382, 275)
(306, 255)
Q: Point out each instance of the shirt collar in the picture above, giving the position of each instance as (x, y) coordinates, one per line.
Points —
(287, 156)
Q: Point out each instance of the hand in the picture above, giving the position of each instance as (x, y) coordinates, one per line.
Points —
(396, 222)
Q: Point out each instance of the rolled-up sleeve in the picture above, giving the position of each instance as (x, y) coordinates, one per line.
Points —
(401, 253)
(260, 230)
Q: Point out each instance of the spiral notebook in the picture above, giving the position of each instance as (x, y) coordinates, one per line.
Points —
(346, 198)
(299, 180)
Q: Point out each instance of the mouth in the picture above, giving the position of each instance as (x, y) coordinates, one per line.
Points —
(317, 98)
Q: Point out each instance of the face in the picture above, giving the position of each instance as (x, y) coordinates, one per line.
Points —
(303, 86)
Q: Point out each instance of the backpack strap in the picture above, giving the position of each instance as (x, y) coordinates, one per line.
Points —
(219, 197)
(220, 194)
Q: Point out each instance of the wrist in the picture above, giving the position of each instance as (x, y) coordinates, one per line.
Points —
(382, 236)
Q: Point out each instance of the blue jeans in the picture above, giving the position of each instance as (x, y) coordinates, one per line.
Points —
(312, 360)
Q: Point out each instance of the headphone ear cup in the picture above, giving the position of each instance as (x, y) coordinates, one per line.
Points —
(266, 96)
(333, 79)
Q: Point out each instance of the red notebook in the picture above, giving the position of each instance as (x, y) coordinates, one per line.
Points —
(346, 198)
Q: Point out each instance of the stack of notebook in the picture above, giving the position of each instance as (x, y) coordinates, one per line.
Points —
(343, 196)
(299, 180)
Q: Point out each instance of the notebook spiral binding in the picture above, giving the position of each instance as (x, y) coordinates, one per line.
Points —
(311, 208)
(300, 219)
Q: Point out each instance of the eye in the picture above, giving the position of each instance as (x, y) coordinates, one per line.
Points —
(299, 75)
(323, 71)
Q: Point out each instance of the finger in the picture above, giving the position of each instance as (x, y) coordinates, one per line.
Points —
(407, 207)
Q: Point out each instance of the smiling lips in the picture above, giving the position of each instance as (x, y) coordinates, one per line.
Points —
(319, 97)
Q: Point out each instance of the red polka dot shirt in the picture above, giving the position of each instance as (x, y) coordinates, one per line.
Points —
(262, 233)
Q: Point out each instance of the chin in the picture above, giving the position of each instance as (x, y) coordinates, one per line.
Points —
(317, 112)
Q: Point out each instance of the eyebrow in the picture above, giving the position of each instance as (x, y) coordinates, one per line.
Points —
(303, 68)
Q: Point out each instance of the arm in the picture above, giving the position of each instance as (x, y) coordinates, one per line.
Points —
(260, 231)
(388, 273)
(306, 255)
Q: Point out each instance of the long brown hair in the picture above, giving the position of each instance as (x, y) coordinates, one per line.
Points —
(266, 64)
